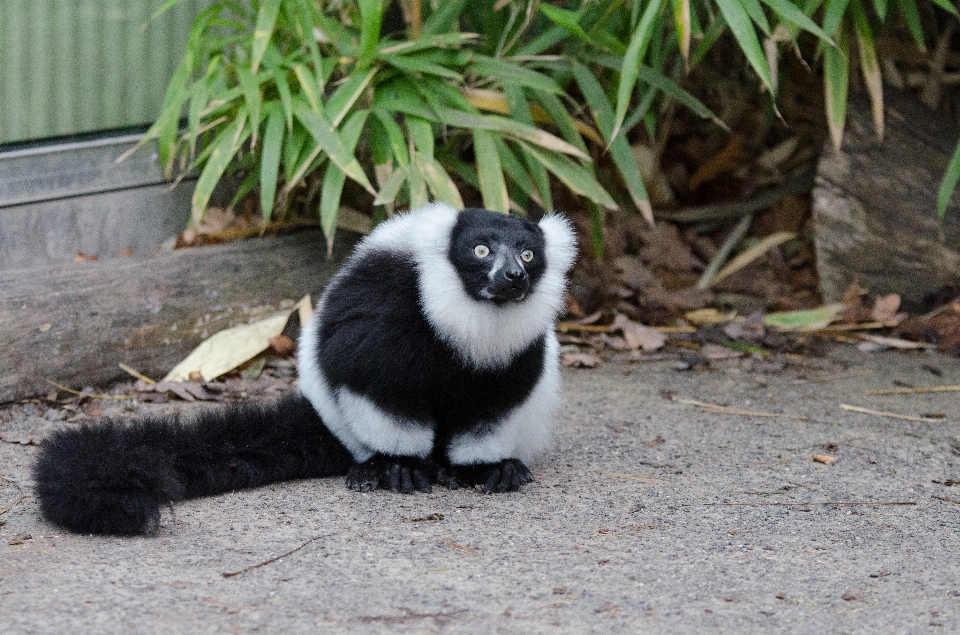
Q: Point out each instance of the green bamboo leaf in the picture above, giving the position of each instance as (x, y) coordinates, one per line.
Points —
(833, 14)
(310, 85)
(682, 24)
(619, 148)
(714, 30)
(303, 17)
(416, 184)
(421, 132)
(251, 95)
(504, 73)
(947, 6)
(246, 186)
(881, 7)
(223, 148)
(283, 89)
(493, 188)
(330, 142)
(389, 190)
(869, 65)
(514, 170)
(755, 11)
(455, 164)
(263, 30)
(573, 175)
(439, 41)
(636, 51)
(742, 28)
(836, 81)
(911, 15)
(439, 182)
(371, 18)
(395, 136)
(788, 11)
(415, 64)
(949, 183)
(292, 149)
(346, 95)
(445, 18)
(270, 160)
(334, 178)
(520, 110)
(568, 20)
(669, 87)
(562, 119)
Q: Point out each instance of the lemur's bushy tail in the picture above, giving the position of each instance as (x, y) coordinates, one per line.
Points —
(112, 477)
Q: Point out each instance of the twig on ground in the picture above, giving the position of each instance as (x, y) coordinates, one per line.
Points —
(82, 393)
(804, 504)
(892, 415)
(634, 477)
(710, 407)
(136, 373)
(947, 499)
(911, 391)
(266, 562)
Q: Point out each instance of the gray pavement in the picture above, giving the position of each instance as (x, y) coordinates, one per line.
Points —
(638, 522)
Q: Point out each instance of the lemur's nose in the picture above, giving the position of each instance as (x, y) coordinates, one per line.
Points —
(515, 275)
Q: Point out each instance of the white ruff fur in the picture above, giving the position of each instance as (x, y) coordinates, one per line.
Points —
(484, 334)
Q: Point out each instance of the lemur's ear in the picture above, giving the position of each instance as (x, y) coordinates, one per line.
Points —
(561, 241)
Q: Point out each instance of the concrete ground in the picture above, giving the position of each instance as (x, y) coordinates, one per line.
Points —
(648, 516)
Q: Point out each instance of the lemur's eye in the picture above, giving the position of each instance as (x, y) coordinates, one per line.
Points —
(526, 255)
(481, 251)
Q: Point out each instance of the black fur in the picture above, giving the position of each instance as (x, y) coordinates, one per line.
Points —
(112, 478)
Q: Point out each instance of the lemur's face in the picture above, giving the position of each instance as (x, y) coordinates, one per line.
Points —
(499, 258)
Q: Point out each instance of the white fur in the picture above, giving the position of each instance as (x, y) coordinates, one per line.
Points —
(313, 385)
(383, 432)
(526, 431)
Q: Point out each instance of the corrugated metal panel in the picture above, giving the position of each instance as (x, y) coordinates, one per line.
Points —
(74, 66)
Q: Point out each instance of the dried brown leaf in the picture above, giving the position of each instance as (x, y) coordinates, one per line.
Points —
(886, 307)
(637, 335)
(580, 360)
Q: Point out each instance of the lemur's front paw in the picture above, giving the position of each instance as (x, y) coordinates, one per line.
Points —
(398, 473)
(504, 476)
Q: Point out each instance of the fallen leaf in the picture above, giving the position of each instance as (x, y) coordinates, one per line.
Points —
(282, 345)
(82, 257)
(826, 459)
(228, 349)
(805, 320)
(126, 252)
(854, 310)
(708, 317)
(580, 360)
(886, 307)
(637, 335)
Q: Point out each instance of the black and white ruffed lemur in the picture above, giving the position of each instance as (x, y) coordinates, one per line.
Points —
(430, 358)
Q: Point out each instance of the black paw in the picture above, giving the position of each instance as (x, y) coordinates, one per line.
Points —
(398, 473)
(505, 476)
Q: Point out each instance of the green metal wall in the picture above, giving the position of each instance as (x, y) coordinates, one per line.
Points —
(74, 66)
